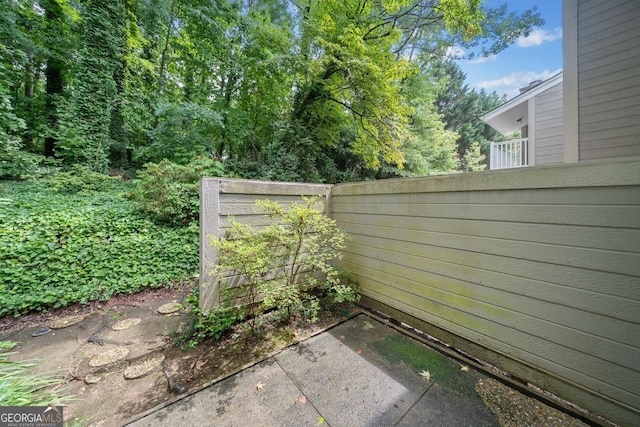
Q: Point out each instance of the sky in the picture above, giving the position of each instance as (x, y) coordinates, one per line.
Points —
(536, 57)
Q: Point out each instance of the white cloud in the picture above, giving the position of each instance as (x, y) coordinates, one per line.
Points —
(483, 59)
(517, 79)
(454, 52)
(540, 36)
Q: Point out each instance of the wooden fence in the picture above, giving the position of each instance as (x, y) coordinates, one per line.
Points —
(534, 270)
(224, 198)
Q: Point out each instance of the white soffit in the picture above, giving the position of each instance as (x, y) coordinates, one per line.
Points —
(514, 114)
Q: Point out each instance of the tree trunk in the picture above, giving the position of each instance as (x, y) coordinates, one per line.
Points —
(165, 49)
(55, 86)
(29, 88)
(54, 73)
(117, 132)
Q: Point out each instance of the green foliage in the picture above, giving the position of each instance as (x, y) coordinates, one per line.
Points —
(99, 89)
(10, 124)
(59, 249)
(169, 192)
(18, 164)
(14, 163)
(302, 91)
(285, 265)
(7, 345)
(183, 131)
(352, 82)
(212, 324)
(20, 386)
(432, 149)
(304, 243)
(462, 108)
(79, 179)
(473, 160)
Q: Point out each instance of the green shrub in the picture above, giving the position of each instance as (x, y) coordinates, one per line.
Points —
(287, 265)
(212, 324)
(59, 249)
(169, 192)
(79, 179)
(183, 131)
(18, 164)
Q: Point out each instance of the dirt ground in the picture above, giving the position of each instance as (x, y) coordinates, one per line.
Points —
(102, 396)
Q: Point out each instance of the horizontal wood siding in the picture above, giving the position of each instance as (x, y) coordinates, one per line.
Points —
(549, 126)
(221, 199)
(539, 265)
(608, 75)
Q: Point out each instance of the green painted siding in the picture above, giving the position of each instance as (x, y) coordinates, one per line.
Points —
(541, 265)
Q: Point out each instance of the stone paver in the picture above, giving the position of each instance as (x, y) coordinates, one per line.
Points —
(170, 308)
(126, 323)
(143, 366)
(65, 322)
(109, 356)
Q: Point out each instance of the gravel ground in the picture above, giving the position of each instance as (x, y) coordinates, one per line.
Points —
(514, 409)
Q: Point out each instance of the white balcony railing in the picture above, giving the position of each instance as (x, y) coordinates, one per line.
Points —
(509, 154)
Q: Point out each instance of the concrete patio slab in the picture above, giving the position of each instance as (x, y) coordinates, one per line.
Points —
(359, 373)
(263, 395)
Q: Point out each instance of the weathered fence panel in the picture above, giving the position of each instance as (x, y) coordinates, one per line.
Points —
(222, 198)
(536, 270)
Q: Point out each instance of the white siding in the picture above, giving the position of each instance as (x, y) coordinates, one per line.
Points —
(549, 126)
(609, 78)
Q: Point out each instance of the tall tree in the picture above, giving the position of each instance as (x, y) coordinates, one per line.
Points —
(354, 65)
(100, 71)
(352, 80)
(432, 148)
(57, 40)
(11, 40)
(282, 89)
(462, 107)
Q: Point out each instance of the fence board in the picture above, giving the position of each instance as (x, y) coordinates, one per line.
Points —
(221, 199)
(615, 261)
(584, 331)
(616, 239)
(541, 264)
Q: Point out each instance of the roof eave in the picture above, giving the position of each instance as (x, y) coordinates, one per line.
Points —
(525, 96)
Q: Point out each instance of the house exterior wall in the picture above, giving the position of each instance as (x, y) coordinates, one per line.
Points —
(548, 119)
(608, 73)
(221, 199)
(534, 270)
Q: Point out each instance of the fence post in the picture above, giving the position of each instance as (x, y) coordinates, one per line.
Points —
(209, 226)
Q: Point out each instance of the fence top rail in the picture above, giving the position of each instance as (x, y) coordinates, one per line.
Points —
(256, 187)
(584, 174)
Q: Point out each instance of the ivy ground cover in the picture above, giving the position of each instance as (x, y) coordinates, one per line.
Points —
(58, 249)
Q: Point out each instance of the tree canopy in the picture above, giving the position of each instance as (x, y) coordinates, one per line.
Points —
(298, 90)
